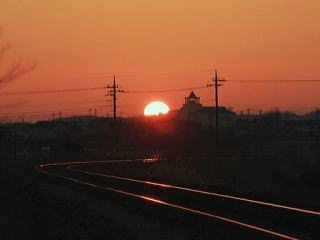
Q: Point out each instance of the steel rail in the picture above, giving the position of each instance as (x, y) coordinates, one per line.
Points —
(86, 162)
(263, 203)
(158, 201)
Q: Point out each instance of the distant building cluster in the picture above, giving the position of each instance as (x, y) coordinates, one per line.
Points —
(193, 110)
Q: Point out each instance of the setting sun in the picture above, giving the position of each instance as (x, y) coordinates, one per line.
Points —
(156, 108)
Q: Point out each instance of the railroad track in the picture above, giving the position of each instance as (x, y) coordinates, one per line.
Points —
(262, 220)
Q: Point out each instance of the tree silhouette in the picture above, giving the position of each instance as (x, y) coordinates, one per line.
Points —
(14, 71)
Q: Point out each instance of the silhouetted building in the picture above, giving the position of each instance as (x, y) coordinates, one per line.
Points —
(191, 104)
(206, 116)
(192, 110)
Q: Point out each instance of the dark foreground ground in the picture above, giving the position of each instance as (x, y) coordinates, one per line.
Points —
(33, 208)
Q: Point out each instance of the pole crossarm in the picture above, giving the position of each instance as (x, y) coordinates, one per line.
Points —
(112, 92)
(217, 82)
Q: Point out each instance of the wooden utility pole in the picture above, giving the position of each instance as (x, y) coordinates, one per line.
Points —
(216, 84)
(317, 117)
(15, 145)
(241, 114)
(248, 113)
(216, 100)
(114, 99)
(113, 93)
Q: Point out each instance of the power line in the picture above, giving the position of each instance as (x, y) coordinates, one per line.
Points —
(44, 112)
(274, 81)
(97, 88)
(54, 104)
(46, 115)
(156, 91)
(166, 90)
(52, 91)
(84, 112)
(75, 110)
(207, 100)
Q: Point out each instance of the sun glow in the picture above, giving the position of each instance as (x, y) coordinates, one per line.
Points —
(156, 108)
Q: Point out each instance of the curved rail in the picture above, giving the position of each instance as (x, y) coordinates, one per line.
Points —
(72, 165)
(263, 203)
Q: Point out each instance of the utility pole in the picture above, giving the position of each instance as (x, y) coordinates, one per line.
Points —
(260, 114)
(15, 146)
(248, 113)
(241, 114)
(95, 112)
(114, 99)
(286, 115)
(216, 100)
(113, 93)
(317, 117)
(216, 84)
(106, 107)
(90, 113)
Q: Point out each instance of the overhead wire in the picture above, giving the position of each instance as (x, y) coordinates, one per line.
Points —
(274, 81)
(15, 93)
(49, 112)
(52, 91)
(156, 91)
(167, 90)
(53, 104)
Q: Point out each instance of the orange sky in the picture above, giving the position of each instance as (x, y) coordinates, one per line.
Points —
(162, 45)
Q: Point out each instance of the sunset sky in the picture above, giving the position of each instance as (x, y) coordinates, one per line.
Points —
(155, 45)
